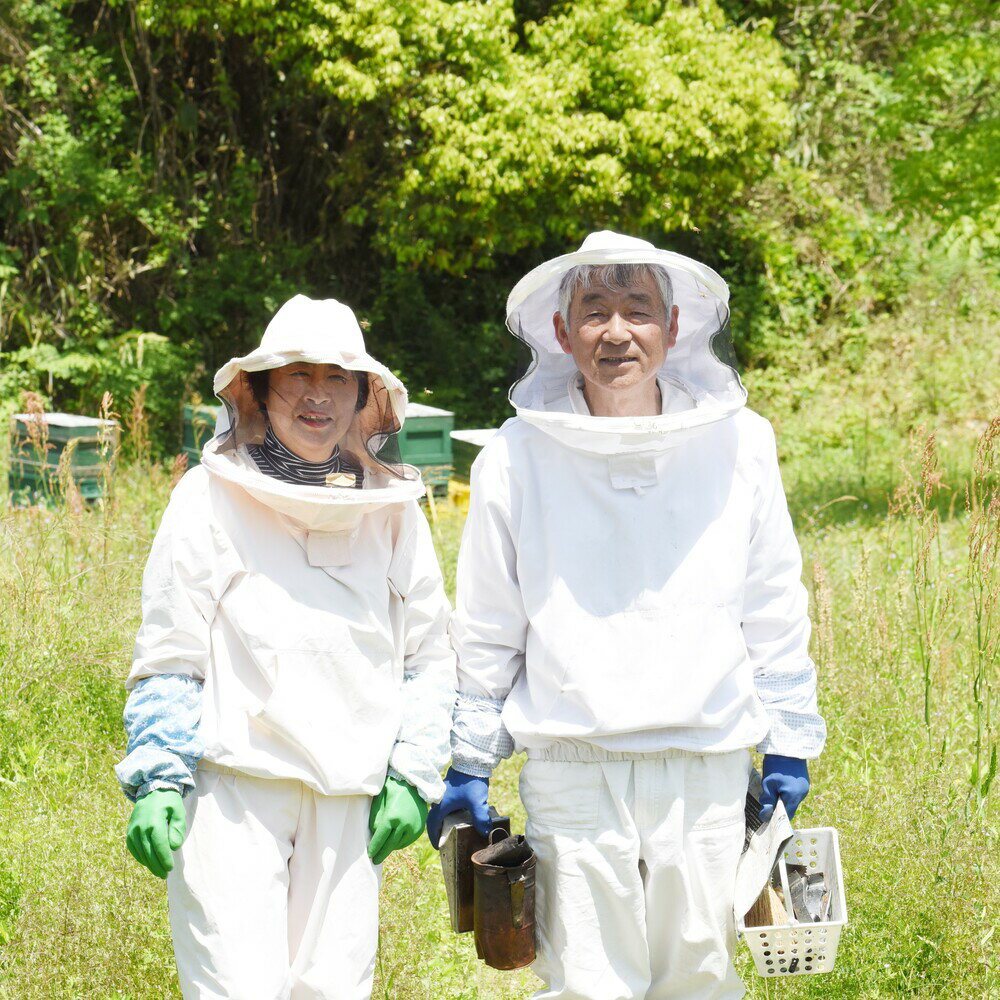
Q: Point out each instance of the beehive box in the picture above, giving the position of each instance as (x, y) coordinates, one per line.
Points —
(83, 444)
(466, 445)
(425, 441)
(199, 427)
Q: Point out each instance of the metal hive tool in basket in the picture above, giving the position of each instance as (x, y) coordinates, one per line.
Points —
(805, 911)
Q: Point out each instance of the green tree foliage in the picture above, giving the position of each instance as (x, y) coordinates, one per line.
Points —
(946, 126)
(82, 229)
(169, 173)
(891, 164)
(191, 163)
(463, 133)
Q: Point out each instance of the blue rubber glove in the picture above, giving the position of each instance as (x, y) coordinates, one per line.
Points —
(786, 778)
(461, 791)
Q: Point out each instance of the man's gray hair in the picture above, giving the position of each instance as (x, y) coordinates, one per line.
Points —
(614, 277)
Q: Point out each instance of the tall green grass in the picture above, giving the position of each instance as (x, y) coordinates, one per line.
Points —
(900, 539)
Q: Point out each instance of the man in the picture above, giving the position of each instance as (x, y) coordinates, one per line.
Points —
(630, 613)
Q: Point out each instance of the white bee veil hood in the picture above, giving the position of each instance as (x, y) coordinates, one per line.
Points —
(316, 331)
(702, 362)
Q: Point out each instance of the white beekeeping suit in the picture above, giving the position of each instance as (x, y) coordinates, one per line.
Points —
(310, 624)
(630, 613)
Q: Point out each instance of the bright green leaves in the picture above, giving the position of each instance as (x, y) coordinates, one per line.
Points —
(469, 134)
(947, 122)
(604, 115)
(183, 167)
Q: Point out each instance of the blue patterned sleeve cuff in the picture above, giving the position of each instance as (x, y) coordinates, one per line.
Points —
(794, 734)
(479, 739)
(162, 719)
(421, 748)
(789, 698)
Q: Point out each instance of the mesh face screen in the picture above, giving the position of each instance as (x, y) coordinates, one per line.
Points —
(371, 438)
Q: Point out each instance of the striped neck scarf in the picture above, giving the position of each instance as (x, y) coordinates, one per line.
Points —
(274, 459)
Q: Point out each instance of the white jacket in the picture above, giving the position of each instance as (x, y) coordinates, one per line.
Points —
(314, 617)
(634, 584)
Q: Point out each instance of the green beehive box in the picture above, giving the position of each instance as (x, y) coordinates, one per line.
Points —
(199, 428)
(466, 445)
(86, 442)
(425, 441)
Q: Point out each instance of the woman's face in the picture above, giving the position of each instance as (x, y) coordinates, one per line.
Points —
(311, 407)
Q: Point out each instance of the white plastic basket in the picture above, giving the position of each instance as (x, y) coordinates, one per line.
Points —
(803, 949)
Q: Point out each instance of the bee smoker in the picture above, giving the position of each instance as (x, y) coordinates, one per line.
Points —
(459, 841)
(504, 902)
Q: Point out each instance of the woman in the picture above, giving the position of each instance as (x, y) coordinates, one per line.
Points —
(292, 682)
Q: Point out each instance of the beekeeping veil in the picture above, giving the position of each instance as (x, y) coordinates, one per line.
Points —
(701, 364)
(317, 332)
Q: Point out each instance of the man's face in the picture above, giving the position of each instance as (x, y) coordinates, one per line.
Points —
(618, 339)
(311, 407)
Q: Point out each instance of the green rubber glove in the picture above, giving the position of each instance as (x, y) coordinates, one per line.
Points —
(156, 829)
(396, 819)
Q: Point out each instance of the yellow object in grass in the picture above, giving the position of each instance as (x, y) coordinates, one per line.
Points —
(458, 494)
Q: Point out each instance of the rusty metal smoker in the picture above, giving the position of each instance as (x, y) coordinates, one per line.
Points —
(459, 841)
(490, 883)
(504, 907)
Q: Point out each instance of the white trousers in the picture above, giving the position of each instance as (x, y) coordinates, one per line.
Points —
(636, 872)
(272, 896)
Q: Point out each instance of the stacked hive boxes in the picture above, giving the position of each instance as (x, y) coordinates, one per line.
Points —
(46, 446)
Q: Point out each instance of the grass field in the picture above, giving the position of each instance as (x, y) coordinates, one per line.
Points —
(890, 453)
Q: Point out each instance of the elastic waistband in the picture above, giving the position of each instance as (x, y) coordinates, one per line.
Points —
(579, 751)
